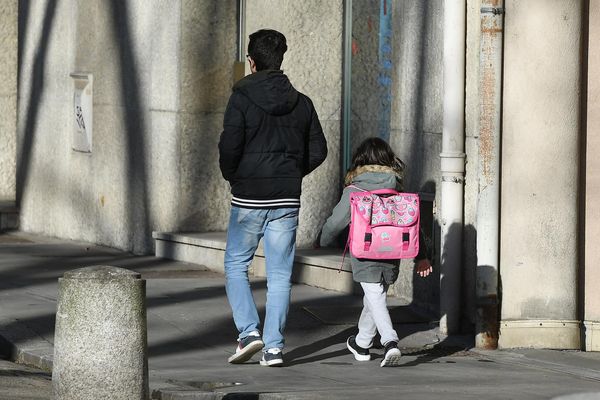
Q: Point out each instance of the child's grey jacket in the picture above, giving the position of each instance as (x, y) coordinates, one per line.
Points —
(368, 177)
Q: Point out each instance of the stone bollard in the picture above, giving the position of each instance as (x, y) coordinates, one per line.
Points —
(100, 340)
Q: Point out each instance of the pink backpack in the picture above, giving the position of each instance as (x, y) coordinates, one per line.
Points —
(384, 224)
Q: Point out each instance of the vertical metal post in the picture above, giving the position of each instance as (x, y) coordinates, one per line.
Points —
(488, 203)
(452, 165)
(242, 30)
(347, 87)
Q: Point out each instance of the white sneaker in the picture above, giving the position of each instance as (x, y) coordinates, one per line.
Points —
(272, 358)
(247, 347)
(391, 355)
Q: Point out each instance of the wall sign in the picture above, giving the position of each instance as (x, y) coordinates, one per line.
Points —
(82, 111)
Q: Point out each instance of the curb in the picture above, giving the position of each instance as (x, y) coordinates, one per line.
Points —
(33, 351)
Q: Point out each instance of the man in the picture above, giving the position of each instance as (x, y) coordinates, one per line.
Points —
(271, 139)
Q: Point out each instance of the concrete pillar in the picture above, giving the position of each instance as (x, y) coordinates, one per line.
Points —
(100, 344)
(540, 163)
(8, 98)
(592, 179)
(488, 202)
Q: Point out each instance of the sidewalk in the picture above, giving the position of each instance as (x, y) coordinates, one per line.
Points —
(191, 334)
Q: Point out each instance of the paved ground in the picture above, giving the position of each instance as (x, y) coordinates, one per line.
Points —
(18, 382)
(191, 334)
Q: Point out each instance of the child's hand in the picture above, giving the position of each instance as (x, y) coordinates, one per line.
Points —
(424, 267)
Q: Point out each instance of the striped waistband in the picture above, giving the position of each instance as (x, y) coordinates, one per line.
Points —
(273, 203)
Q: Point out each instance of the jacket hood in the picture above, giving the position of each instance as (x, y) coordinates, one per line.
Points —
(271, 90)
(370, 177)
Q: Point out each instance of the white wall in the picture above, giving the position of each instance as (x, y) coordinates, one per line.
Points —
(592, 178)
(540, 163)
(8, 98)
(162, 74)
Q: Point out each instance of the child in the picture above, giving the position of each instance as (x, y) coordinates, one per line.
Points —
(374, 166)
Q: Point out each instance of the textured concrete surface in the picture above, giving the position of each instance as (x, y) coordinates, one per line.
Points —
(313, 63)
(191, 334)
(100, 336)
(592, 177)
(471, 184)
(208, 50)
(162, 74)
(541, 124)
(8, 98)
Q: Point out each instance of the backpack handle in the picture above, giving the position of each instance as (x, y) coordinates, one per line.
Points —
(377, 191)
(383, 191)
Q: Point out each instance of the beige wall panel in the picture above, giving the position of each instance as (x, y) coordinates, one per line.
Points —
(8, 97)
(540, 153)
(125, 188)
(208, 52)
(592, 203)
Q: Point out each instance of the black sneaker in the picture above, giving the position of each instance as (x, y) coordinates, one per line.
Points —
(247, 347)
(272, 358)
(360, 354)
(391, 355)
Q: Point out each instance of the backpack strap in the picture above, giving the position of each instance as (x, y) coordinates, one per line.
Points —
(348, 240)
(344, 255)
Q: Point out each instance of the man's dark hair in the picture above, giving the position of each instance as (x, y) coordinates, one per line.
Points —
(266, 47)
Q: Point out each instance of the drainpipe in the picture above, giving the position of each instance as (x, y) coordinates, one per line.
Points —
(488, 203)
(241, 11)
(452, 165)
(239, 66)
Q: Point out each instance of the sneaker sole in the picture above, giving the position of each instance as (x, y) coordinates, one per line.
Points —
(392, 358)
(358, 357)
(246, 353)
(272, 363)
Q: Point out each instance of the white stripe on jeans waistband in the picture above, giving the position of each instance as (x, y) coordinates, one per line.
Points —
(265, 203)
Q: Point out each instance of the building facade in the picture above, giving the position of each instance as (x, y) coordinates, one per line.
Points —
(113, 111)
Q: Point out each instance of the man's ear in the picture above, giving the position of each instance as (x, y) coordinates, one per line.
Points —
(252, 65)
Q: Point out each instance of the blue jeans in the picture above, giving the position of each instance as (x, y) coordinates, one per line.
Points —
(246, 228)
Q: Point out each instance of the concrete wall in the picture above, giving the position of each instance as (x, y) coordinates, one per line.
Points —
(472, 184)
(8, 97)
(208, 52)
(162, 73)
(592, 179)
(416, 121)
(540, 150)
(313, 63)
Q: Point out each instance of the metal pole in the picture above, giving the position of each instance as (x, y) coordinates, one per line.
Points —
(242, 30)
(452, 165)
(488, 204)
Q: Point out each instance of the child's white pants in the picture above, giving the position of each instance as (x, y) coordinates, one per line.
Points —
(375, 316)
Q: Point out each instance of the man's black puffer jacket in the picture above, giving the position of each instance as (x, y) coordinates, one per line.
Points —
(271, 139)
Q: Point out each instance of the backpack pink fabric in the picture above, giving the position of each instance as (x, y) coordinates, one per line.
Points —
(384, 224)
